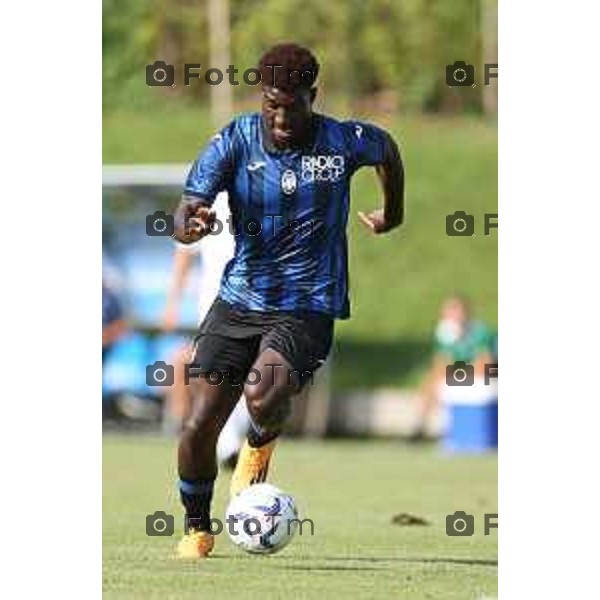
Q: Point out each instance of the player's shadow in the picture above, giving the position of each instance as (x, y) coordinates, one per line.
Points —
(362, 363)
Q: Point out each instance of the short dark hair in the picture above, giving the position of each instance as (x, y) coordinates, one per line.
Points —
(298, 67)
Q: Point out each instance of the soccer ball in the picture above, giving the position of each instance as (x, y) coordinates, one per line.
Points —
(262, 519)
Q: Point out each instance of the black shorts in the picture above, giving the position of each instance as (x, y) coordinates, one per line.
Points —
(230, 340)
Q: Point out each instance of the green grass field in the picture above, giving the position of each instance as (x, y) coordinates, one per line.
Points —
(350, 489)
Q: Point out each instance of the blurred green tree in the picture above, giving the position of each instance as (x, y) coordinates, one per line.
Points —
(386, 49)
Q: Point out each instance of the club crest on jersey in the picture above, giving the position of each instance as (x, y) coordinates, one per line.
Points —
(328, 168)
(288, 182)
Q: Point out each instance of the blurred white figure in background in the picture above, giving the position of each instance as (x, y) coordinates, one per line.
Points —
(459, 338)
(213, 252)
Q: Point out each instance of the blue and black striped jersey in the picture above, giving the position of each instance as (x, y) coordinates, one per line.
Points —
(289, 212)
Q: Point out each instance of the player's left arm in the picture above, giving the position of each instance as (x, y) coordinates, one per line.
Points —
(390, 172)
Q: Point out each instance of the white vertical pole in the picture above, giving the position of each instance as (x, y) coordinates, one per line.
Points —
(489, 37)
(221, 96)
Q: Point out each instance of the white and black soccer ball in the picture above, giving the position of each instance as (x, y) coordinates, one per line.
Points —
(262, 519)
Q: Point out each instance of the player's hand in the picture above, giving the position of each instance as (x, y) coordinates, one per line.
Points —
(192, 221)
(199, 221)
(375, 221)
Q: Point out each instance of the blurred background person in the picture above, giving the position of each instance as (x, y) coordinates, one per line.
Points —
(458, 337)
(213, 253)
(121, 396)
(113, 328)
(113, 323)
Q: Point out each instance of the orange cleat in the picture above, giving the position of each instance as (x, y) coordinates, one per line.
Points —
(252, 467)
(196, 544)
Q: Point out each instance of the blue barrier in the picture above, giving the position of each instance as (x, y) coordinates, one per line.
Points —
(124, 369)
(472, 428)
(471, 414)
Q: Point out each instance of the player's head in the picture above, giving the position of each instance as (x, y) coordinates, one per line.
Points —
(453, 321)
(288, 74)
(455, 308)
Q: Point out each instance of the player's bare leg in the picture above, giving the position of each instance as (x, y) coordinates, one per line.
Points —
(197, 462)
(269, 405)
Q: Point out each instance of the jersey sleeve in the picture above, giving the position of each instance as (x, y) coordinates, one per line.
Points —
(212, 170)
(367, 143)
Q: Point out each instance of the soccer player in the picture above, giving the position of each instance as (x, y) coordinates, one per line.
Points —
(287, 171)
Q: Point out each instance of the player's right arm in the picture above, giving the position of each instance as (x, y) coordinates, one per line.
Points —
(210, 174)
(193, 218)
